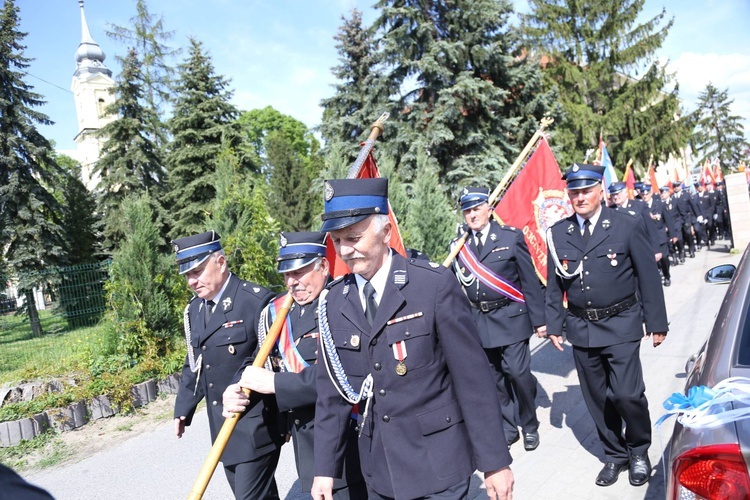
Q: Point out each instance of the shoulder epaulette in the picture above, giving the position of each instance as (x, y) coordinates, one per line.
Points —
(625, 211)
(331, 283)
(252, 288)
(508, 228)
(426, 264)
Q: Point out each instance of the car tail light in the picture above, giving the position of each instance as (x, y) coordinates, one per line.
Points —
(711, 472)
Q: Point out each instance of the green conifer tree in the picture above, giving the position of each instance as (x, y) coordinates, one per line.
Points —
(363, 92)
(145, 291)
(469, 97)
(430, 223)
(129, 162)
(239, 213)
(290, 201)
(203, 124)
(719, 134)
(31, 237)
(610, 82)
(147, 34)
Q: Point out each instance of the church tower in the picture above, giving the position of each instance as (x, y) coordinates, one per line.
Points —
(91, 86)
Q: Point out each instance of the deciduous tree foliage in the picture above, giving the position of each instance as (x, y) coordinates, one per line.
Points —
(203, 124)
(719, 134)
(610, 82)
(30, 233)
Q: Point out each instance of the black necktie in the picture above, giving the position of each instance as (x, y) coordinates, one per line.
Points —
(480, 245)
(586, 231)
(371, 307)
(210, 304)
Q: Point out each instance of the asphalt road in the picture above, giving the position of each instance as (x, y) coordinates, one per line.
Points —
(155, 465)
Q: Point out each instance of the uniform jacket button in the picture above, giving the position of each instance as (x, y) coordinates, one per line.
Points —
(448, 419)
(382, 392)
(386, 418)
(215, 403)
(203, 348)
(373, 341)
(588, 303)
(408, 334)
(296, 421)
(211, 386)
(377, 366)
(208, 367)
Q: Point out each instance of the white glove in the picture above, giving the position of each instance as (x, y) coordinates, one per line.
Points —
(700, 219)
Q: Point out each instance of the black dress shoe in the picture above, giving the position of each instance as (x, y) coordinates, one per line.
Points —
(692, 255)
(530, 441)
(667, 282)
(608, 475)
(639, 471)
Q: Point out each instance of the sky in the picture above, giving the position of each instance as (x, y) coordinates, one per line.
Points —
(280, 52)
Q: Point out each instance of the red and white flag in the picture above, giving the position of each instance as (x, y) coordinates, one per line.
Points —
(534, 201)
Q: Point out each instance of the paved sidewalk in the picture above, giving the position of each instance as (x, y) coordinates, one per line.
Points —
(157, 466)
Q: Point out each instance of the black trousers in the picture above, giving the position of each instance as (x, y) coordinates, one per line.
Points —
(457, 492)
(254, 480)
(664, 261)
(512, 364)
(687, 237)
(612, 384)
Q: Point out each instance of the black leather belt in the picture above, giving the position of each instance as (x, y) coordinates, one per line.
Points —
(604, 312)
(490, 305)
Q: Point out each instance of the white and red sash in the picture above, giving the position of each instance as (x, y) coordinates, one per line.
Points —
(290, 356)
(486, 276)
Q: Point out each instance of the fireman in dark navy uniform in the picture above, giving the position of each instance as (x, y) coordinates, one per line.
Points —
(303, 263)
(398, 341)
(602, 260)
(674, 224)
(688, 210)
(663, 221)
(494, 263)
(220, 328)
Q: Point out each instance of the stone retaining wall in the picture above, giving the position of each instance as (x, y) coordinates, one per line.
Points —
(80, 413)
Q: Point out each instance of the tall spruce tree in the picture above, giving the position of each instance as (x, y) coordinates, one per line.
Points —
(203, 124)
(610, 82)
(147, 34)
(469, 97)
(363, 92)
(31, 236)
(79, 218)
(718, 135)
(129, 163)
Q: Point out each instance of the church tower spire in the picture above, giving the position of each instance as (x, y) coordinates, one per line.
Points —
(92, 82)
(89, 56)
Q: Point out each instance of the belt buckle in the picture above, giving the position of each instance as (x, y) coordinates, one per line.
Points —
(592, 315)
(484, 307)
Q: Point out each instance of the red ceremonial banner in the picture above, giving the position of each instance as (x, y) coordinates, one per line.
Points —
(534, 201)
(338, 268)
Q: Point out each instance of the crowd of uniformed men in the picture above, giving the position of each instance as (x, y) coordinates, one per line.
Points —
(402, 378)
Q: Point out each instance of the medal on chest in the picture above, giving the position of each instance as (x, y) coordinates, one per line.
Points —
(399, 354)
(612, 259)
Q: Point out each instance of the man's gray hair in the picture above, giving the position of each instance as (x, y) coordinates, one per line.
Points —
(379, 221)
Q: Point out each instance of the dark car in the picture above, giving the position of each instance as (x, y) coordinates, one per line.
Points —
(713, 463)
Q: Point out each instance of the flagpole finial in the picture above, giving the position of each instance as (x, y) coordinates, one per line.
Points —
(380, 122)
(545, 122)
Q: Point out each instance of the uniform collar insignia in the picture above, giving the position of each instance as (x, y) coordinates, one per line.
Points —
(571, 228)
(605, 223)
(493, 237)
(399, 277)
(226, 303)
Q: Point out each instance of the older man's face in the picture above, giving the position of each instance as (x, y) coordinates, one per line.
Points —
(306, 283)
(478, 217)
(361, 247)
(207, 279)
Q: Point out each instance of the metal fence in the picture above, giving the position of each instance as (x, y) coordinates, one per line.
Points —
(75, 293)
(80, 292)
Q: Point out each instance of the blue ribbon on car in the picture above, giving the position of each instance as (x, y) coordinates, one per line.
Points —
(705, 408)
